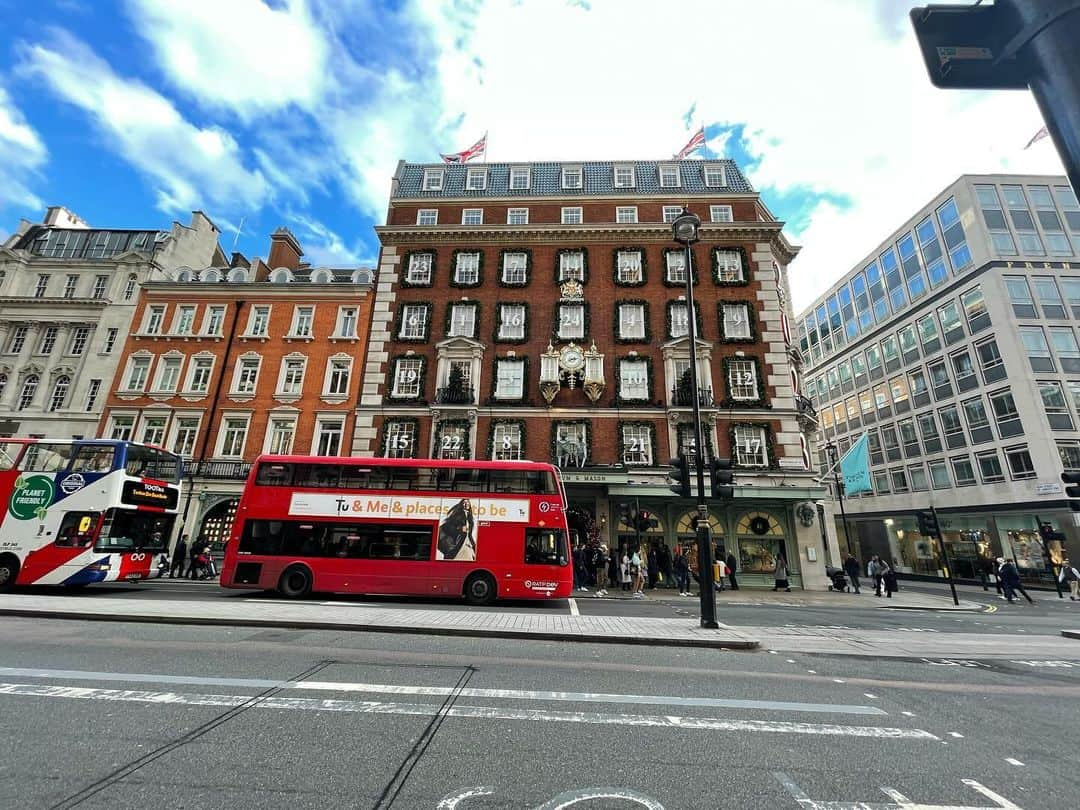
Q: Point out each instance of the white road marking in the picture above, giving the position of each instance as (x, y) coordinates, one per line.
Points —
(872, 697)
(469, 712)
(838, 680)
(908, 714)
(1002, 802)
(443, 691)
(812, 671)
(899, 800)
(1016, 762)
(573, 607)
(572, 797)
(451, 802)
(957, 735)
(791, 660)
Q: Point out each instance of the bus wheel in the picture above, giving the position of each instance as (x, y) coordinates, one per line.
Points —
(9, 569)
(295, 582)
(480, 589)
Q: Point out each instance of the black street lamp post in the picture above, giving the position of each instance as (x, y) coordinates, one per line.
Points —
(685, 231)
(839, 486)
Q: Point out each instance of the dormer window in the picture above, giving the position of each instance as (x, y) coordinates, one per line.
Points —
(238, 275)
(519, 178)
(714, 176)
(321, 277)
(669, 176)
(476, 179)
(210, 276)
(281, 276)
(624, 177)
(571, 177)
(433, 179)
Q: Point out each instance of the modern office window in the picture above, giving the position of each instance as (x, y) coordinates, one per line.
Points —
(928, 432)
(1071, 286)
(964, 371)
(1054, 404)
(1074, 394)
(1022, 222)
(913, 272)
(833, 377)
(873, 441)
(917, 478)
(1005, 414)
(514, 268)
(1066, 200)
(953, 232)
(939, 379)
(994, 218)
(881, 482)
(847, 313)
(977, 421)
(932, 254)
(858, 369)
(890, 352)
(928, 335)
(908, 437)
(720, 213)
(626, 214)
(899, 480)
(939, 474)
(866, 405)
(873, 362)
(881, 400)
(909, 345)
(879, 297)
(467, 269)
(1038, 352)
(840, 416)
(963, 472)
(571, 215)
(419, 270)
(951, 326)
(427, 216)
(891, 442)
(631, 321)
(990, 362)
(1019, 461)
(472, 216)
(1066, 348)
(951, 427)
(1070, 455)
(519, 178)
(843, 368)
(571, 177)
(920, 388)
(975, 310)
(863, 314)
(511, 321)
(1056, 239)
(517, 216)
(898, 388)
(989, 466)
(1046, 291)
(1020, 296)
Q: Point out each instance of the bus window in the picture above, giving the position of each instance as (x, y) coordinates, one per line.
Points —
(545, 547)
(127, 530)
(45, 457)
(93, 458)
(9, 454)
(149, 462)
(324, 476)
(353, 477)
(261, 537)
(274, 475)
(77, 529)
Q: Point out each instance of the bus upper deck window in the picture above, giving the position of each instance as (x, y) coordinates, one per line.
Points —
(274, 475)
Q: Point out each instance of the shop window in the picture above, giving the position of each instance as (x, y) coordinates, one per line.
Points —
(761, 541)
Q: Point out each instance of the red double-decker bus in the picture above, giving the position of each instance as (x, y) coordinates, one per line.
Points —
(481, 530)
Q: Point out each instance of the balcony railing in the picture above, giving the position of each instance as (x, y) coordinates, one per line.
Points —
(682, 398)
(231, 470)
(805, 407)
(461, 395)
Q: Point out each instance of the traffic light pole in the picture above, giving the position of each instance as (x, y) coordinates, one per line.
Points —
(704, 540)
(945, 557)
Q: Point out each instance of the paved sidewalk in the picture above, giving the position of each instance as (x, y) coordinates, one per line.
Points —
(903, 600)
(338, 616)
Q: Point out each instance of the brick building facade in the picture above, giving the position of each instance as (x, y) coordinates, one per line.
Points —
(538, 311)
(226, 362)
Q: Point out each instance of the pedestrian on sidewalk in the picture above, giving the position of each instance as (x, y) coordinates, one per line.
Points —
(874, 570)
(852, 569)
(579, 578)
(682, 573)
(653, 567)
(888, 579)
(614, 572)
(193, 561)
(638, 573)
(720, 558)
(179, 557)
(780, 574)
(667, 565)
(1070, 575)
(731, 563)
(624, 570)
(599, 564)
(1010, 580)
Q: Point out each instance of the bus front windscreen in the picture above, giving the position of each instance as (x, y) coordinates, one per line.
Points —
(127, 530)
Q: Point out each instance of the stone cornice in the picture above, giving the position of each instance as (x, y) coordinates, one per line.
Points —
(250, 291)
(719, 196)
(611, 233)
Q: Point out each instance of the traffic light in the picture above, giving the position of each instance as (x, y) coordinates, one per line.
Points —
(1072, 489)
(928, 524)
(723, 477)
(679, 477)
(646, 521)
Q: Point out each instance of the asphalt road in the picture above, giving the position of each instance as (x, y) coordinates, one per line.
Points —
(135, 716)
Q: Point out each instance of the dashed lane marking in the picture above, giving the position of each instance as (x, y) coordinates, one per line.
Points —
(1015, 762)
(573, 607)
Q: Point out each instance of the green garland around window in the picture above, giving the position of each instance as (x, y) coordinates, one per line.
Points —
(664, 268)
(384, 451)
(428, 307)
(653, 452)
(444, 427)
(524, 361)
(647, 399)
(404, 268)
(615, 266)
(770, 453)
(479, 269)
(520, 423)
(716, 266)
(751, 316)
(728, 401)
(584, 321)
(528, 266)
(450, 317)
(645, 314)
(584, 263)
(557, 426)
(667, 318)
(498, 319)
(419, 398)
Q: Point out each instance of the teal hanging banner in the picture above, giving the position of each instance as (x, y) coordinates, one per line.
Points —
(855, 467)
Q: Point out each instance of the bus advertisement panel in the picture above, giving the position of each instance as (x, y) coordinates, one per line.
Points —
(474, 529)
(78, 512)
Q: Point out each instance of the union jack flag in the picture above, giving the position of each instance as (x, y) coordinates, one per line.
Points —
(477, 149)
(1042, 133)
(695, 143)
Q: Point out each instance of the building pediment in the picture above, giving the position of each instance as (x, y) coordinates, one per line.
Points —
(459, 344)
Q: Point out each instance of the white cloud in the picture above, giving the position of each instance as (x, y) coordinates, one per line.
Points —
(22, 154)
(324, 248)
(241, 54)
(191, 166)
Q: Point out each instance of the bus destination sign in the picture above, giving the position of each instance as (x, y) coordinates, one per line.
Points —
(145, 493)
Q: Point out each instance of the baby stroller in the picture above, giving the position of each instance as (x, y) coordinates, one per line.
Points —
(837, 580)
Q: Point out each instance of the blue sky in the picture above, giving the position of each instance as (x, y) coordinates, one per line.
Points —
(294, 112)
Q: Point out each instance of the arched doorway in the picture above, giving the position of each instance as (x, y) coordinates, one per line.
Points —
(686, 536)
(217, 525)
(761, 539)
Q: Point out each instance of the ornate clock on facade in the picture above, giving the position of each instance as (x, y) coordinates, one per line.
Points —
(573, 367)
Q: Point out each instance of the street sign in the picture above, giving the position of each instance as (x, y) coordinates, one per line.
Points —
(1048, 489)
(964, 46)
